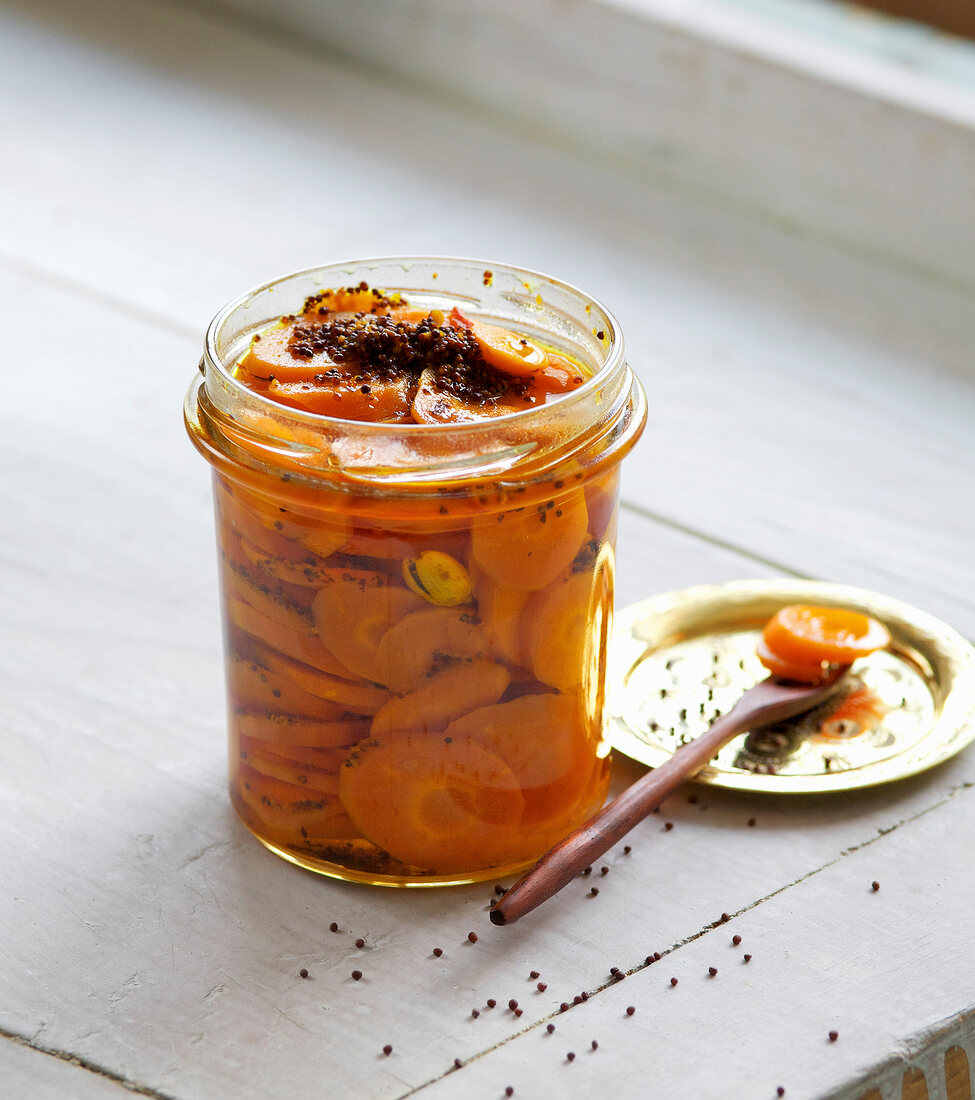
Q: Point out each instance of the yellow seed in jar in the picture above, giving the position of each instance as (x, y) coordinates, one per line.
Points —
(439, 578)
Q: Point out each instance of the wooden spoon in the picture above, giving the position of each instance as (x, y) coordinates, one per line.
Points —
(767, 702)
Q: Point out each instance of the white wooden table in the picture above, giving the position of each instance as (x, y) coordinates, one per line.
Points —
(157, 160)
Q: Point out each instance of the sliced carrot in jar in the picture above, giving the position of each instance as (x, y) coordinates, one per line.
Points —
(559, 617)
(441, 806)
(357, 696)
(508, 351)
(300, 643)
(268, 599)
(269, 357)
(348, 399)
(289, 733)
(545, 740)
(500, 609)
(801, 634)
(527, 548)
(291, 812)
(423, 642)
(258, 519)
(354, 611)
(441, 698)
(254, 688)
(317, 771)
(292, 564)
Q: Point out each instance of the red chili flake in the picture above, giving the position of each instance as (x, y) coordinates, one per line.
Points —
(518, 1011)
(475, 1013)
(512, 1004)
(333, 927)
(668, 825)
(387, 1050)
(627, 849)
(437, 952)
(571, 1056)
(736, 939)
(594, 891)
(472, 936)
(595, 1045)
(751, 823)
(673, 981)
(833, 1036)
(533, 974)
(712, 970)
(356, 975)
(360, 943)
(550, 1028)
(747, 958)
(630, 1010)
(875, 886)
(491, 1002)
(541, 987)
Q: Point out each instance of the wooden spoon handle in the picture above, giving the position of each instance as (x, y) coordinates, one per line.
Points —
(766, 702)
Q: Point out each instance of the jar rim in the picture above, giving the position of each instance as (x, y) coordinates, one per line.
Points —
(399, 452)
(214, 358)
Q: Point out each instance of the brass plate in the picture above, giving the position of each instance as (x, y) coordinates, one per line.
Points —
(679, 659)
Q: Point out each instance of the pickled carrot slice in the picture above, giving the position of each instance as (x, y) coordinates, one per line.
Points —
(560, 640)
(508, 351)
(269, 357)
(347, 399)
(259, 519)
(443, 806)
(353, 613)
(357, 696)
(528, 548)
(254, 688)
(317, 771)
(299, 642)
(303, 568)
(443, 697)
(793, 670)
(424, 641)
(270, 600)
(802, 634)
(287, 732)
(501, 609)
(433, 404)
(544, 740)
(292, 812)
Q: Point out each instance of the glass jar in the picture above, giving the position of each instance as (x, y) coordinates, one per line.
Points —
(416, 616)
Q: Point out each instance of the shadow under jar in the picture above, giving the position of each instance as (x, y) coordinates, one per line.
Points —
(416, 615)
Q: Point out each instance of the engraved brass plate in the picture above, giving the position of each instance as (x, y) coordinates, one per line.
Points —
(680, 659)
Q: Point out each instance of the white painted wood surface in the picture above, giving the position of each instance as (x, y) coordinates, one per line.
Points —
(156, 161)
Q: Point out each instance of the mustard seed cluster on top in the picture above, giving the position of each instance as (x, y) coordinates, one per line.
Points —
(377, 347)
